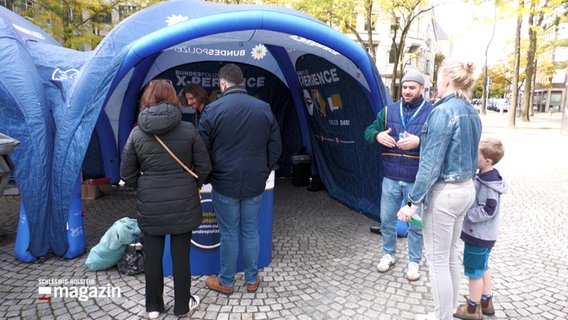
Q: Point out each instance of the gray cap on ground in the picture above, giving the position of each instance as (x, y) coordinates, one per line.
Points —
(414, 75)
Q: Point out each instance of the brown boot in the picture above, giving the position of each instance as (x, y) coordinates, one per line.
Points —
(487, 307)
(214, 284)
(468, 312)
(252, 287)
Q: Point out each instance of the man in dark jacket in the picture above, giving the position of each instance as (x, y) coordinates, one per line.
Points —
(243, 140)
(396, 130)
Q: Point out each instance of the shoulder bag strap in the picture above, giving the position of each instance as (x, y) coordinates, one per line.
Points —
(174, 156)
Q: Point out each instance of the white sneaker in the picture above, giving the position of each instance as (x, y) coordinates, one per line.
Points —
(193, 302)
(386, 262)
(429, 316)
(153, 315)
(413, 272)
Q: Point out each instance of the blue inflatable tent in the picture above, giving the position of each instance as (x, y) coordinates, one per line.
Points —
(323, 87)
(36, 73)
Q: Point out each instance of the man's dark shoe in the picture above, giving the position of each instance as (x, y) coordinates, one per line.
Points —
(251, 288)
(213, 284)
(376, 230)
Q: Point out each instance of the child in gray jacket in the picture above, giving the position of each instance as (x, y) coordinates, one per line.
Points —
(480, 230)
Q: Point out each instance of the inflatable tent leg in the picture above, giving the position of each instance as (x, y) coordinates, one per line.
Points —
(75, 234)
(22, 244)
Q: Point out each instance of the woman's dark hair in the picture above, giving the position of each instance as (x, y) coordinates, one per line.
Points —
(197, 91)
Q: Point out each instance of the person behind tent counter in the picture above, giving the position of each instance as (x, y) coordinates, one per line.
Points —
(444, 182)
(480, 230)
(243, 139)
(396, 130)
(193, 100)
(168, 199)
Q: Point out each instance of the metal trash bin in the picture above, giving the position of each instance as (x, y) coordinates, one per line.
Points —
(301, 169)
(7, 145)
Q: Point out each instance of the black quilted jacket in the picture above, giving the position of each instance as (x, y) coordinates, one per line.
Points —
(167, 196)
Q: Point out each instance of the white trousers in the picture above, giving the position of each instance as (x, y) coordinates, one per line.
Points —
(443, 218)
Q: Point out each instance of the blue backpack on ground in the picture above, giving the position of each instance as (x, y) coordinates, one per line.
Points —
(113, 244)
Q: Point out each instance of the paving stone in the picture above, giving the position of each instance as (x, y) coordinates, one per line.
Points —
(324, 257)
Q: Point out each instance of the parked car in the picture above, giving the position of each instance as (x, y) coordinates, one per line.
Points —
(501, 106)
(476, 103)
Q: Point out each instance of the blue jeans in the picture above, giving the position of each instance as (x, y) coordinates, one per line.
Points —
(237, 218)
(394, 193)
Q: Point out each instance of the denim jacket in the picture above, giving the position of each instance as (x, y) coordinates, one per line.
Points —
(449, 146)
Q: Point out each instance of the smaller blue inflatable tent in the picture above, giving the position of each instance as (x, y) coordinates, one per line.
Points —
(36, 72)
(323, 87)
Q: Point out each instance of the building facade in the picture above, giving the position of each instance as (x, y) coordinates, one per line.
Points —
(550, 94)
(420, 47)
(88, 26)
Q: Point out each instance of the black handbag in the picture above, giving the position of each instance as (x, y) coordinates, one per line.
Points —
(132, 263)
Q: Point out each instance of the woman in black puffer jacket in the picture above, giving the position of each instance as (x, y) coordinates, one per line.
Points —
(168, 199)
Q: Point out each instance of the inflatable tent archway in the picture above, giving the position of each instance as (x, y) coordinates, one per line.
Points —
(327, 91)
(33, 88)
(26, 118)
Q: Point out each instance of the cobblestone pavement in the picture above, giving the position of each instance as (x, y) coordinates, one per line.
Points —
(324, 256)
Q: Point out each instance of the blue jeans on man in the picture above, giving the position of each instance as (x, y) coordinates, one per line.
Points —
(394, 193)
(238, 221)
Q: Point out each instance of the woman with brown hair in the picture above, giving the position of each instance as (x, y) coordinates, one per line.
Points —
(168, 199)
(194, 98)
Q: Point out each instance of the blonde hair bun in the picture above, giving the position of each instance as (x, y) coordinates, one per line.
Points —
(469, 67)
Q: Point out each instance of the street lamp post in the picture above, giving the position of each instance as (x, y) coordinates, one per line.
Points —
(564, 121)
(409, 56)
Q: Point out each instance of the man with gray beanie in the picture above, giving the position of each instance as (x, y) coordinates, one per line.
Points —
(397, 132)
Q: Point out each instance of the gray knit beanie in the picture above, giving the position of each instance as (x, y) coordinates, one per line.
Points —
(414, 75)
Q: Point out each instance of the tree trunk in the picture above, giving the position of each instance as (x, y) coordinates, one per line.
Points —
(516, 66)
(485, 89)
(399, 54)
(355, 32)
(529, 71)
(530, 82)
(408, 12)
(372, 51)
(530, 111)
(397, 50)
(485, 82)
(10, 4)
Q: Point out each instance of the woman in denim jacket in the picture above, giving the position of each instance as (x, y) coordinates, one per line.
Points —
(444, 182)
